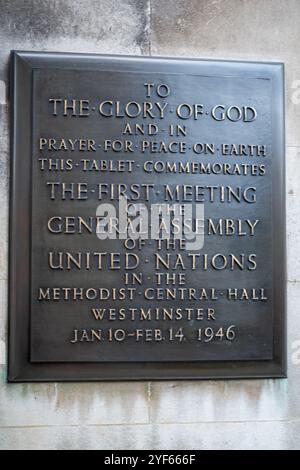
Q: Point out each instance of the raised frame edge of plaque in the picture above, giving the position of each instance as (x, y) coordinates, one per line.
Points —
(19, 368)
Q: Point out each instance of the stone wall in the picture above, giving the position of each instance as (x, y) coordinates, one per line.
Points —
(157, 415)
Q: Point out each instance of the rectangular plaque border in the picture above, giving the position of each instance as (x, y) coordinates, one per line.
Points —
(20, 369)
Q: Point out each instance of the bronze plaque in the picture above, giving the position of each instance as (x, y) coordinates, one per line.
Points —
(147, 232)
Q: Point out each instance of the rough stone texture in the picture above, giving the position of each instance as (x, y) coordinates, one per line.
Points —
(262, 414)
(191, 436)
(3, 323)
(240, 29)
(74, 404)
(106, 26)
(2, 92)
(293, 211)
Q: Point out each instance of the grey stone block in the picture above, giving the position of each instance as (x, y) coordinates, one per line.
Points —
(293, 212)
(264, 435)
(233, 29)
(3, 323)
(4, 217)
(26, 405)
(102, 26)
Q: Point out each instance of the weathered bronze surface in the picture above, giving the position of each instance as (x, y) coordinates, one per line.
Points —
(87, 129)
